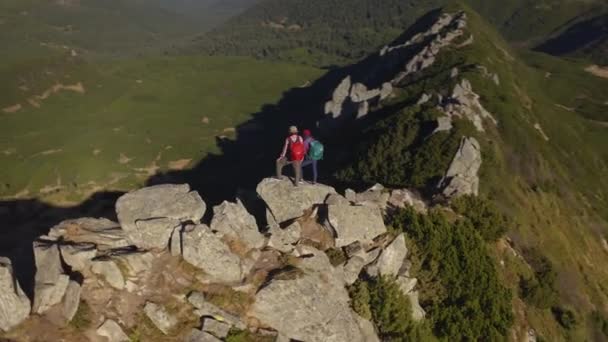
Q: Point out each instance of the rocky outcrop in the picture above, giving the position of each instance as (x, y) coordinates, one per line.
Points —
(462, 175)
(313, 306)
(102, 233)
(109, 271)
(286, 202)
(205, 250)
(71, 300)
(14, 304)
(391, 259)
(231, 220)
(150, 215)
(51, 282)
(354, 95)
(464, 103)
(401, 198)
(355, 223)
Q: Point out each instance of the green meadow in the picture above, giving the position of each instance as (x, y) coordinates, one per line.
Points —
(131, 118)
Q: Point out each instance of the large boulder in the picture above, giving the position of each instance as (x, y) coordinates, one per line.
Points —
(462, 175)
(312, 306)
(102, 233)
(206, 250)
(286, 201)
(207, 309)
(355, 223)
(51, 282)
(234, 222)
(79, 255)
(71, 301)
(150, 215)
(14, 304)
(391, 259)
(110, 272)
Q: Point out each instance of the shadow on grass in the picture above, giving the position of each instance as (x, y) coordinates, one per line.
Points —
(234, 172)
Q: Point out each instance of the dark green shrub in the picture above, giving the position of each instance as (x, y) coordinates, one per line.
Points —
(566, 318)
(483, 215)
(360, 298)
(391, 309)
(473, 304)
(336, 256)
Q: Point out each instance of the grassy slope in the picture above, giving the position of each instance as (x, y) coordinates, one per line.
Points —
(150, 110)
(554, 190)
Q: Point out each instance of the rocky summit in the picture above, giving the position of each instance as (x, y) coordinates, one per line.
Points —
(284, 283)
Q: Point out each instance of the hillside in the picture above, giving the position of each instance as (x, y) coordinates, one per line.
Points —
(337, 33)
(113, 28)
(71, 128)
(587, 38)
(539, 123)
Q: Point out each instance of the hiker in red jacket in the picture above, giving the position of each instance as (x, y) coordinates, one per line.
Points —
(295, 144)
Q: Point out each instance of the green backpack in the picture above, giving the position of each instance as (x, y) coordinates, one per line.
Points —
(315, 151)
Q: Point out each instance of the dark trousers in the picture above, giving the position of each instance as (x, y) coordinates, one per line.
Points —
(314, 168)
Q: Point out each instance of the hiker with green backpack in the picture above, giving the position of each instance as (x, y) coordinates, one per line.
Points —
(314, 153)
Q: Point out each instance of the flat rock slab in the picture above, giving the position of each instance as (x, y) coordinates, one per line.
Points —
(355, 223)
(286, 201)
(150, 215)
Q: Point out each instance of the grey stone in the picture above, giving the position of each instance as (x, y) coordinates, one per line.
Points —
(424, 98)
(375, 197)
(206, 251)
(286, 202)
(14, 304)
(362, 109)
(465, 103)
(50, 281)
(367, 330)
(78, 256)
(216, 328)
(112, 331)
(233, 221)
(103, 233)
(386, 90)
(342, 91)
(406, 284)
(401, 198)
(418, 312)
(150, 215)
(360, 93)
(284, 239)
(161, 318)
(308, 308)
(352, 268)
(391, 258)
(355, 223)
(110, 272)
(175, 246)
(71, 300)
(353, 249)
(204, 308)
(462, 175)
(200, 336)
(350, 195)
(135, 262)
(444, 124)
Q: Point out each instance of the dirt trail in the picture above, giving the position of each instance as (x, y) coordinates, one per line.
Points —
(597, 71)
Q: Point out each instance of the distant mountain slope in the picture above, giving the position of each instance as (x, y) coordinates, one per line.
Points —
(338, 32)
(110, 27)
(587, 38)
